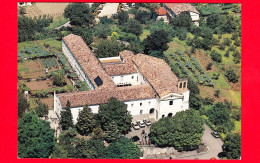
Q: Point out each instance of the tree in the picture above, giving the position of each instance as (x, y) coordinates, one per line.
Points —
(184, 131)
(93, 148)
(112, 133)
(227, 41)
(42, 109)
(133, 26)
(215, 56)
(80, 14)
(98, 133)
(231, 76)
(122, 17)
(59, 79)
(214, 20)
(124, 148)
(227, 53)
(23, 105)
(66, 118)
(35, 137)
(115, 111)
(143, 16)
(181, 33)
(219, 116)
(233, 146)
(237, 42)
(86, 121)
(237, 57)
(21, 11)
(182, 20)
(156, 41)
(209, 66)
(84, 33)
(59, 152)
(109, 48)
(67, 141)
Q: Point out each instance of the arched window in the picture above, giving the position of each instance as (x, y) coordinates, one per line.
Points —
(180, 85)
(170, 115)
(151, 111)
(184, 85)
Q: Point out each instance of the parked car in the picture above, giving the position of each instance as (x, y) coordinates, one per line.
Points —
(147, 122)
(215, 134)
(140, 123)
(135, 126)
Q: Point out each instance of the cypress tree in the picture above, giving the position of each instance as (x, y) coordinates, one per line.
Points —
(112, 133)
(86, 121)
(66, 118)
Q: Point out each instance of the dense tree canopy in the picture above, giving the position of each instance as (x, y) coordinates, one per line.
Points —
(86, 34)
(29, 27)
(219, 116)
(109, 48)
(182, 21)
(133, 26)
(233, 146)
(156, 41)
(124, 148)
(85, 121)
(80, 14)
(115, 111)
(23, 105)
(35, 137)
(112, 133)
(66, 118)
(42, 109)
(122, 17)
(184, 131)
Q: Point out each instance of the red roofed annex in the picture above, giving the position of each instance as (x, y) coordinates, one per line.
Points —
(145, 83)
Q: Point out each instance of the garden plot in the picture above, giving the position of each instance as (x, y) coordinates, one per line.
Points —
(48, 101)
(40, 85)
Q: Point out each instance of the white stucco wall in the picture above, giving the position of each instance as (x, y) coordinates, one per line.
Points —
(164, 17)
(194, 16)
(57, 105)
(75, 111)
(82, 76)
(126, 79)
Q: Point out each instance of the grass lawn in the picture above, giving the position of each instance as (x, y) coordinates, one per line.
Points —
(57, 22)
(55, 45)
(237, 128)
(145, 33)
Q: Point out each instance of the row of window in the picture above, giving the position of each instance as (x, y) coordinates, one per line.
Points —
(184, 85)
(132, 105)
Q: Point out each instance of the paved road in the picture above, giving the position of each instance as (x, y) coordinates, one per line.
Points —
(64, 25)
(214, 144)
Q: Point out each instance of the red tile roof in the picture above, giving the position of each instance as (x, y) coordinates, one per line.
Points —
(161, 11)
(158, 73)
(125, 67)
(178, 8)
(88, 61)
(100, 96)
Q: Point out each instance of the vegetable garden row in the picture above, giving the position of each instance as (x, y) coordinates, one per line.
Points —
(188, 66)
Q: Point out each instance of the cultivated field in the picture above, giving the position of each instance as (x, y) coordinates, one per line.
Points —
(51, 9)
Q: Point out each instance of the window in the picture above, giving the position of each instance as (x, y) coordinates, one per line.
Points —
(122, 77)
(132, 77)
(170, 102)
(141, 104)
(141, 111)
(132, 105)
(149, 103)
(180, 85)
(112, 77)
(184, 85)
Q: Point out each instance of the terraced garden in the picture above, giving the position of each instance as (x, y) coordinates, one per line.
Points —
(189, 67)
